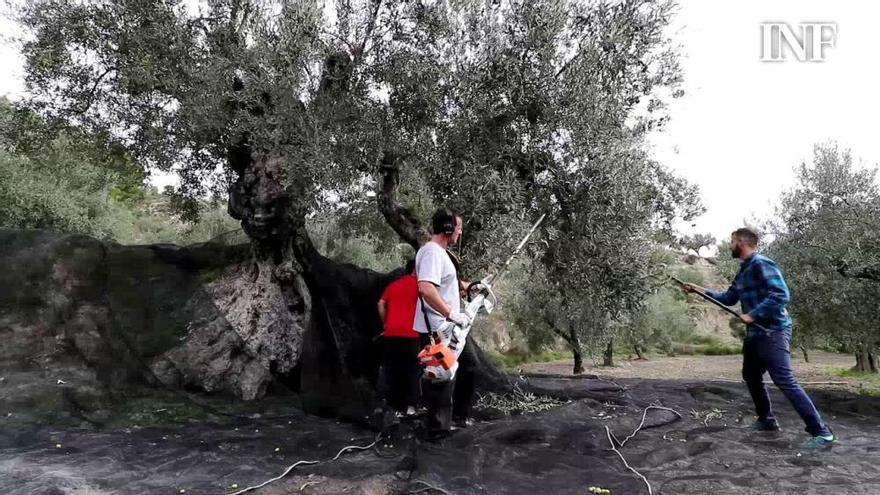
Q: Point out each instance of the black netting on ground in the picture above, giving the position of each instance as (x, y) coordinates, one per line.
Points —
(560, 451)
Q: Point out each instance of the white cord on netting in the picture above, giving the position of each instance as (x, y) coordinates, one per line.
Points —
(305, 463)
(612, 440)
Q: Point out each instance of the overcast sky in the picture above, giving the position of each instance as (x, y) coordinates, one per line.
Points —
(743, 124)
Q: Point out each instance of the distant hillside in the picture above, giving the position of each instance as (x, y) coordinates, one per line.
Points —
(710, 320)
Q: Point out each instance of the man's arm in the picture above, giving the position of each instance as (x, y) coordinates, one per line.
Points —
(383, 310)
(727, 298)
(431, 296)
(777, 292)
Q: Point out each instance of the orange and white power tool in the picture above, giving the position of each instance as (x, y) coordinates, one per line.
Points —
(440, 359)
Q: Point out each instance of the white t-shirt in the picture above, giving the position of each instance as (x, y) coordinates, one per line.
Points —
(433, 265)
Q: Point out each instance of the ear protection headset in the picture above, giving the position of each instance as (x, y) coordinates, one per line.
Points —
(443, 221)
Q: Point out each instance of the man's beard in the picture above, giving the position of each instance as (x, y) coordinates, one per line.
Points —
(735, 252)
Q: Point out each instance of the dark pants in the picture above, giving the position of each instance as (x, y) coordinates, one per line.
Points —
(400, 372)
(772, 353)
(453, 400)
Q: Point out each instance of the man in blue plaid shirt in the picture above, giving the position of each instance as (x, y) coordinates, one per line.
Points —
(763, 294)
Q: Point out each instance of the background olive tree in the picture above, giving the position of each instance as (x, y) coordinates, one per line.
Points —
(828, 243)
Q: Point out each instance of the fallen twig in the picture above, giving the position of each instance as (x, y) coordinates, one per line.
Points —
(428, 487)
(705, 416)
(517, 401)
(307, 484)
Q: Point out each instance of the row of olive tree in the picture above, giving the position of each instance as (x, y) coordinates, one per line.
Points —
(57, 177)
(828, 243)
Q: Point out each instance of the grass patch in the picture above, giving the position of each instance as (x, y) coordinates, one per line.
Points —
(870, 382)
(703, 340)
(209, 275)
(704, 345)
(514, 358)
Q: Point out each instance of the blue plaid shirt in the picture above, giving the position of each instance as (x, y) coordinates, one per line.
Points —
(761, 290)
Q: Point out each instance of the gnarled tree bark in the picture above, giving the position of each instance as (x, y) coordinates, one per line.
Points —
(867, 272)
(332, 304)
(866, 359)
(404, 223)
(608, 356)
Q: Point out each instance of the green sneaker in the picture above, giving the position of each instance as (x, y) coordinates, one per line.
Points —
(819, 442)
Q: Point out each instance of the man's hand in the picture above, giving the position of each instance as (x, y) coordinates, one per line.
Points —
(746, 318)
(383, 310)
(459, 318)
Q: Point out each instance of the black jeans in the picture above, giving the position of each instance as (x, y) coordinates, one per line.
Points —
(452, 400)
(400, 372)
(772, 353)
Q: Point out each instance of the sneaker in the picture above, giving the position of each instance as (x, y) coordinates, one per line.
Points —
(765, 425)
(462, 423)
(819, 442)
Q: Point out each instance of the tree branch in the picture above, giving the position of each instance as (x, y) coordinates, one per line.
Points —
(91, 98)
(865, 272)
(370, 26)
(566, 337)
(398, 218)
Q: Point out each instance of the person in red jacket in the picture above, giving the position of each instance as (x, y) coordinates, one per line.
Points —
(400, 374)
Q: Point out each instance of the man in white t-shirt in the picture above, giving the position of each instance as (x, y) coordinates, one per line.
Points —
(440, 301)
(439, 285)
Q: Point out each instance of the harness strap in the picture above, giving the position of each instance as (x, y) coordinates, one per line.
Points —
(425, 315)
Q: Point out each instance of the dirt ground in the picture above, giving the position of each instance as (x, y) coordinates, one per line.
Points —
(708, 368)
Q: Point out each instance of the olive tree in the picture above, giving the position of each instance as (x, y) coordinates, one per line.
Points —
(829, 246)
(501, 109)
(695, 242)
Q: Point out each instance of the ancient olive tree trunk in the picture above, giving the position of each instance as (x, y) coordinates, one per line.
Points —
(578, 361)
(331, 307)
(866, 360)
(574, 345)
(608, 356)
(640, 352)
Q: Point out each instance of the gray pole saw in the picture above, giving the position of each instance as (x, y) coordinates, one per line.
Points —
(440, 360)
